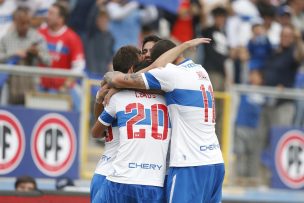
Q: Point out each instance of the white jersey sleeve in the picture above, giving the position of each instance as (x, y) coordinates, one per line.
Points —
(160, 78)
(109, 113)
(108, 118)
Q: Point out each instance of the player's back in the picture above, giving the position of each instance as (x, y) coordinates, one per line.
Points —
(192, 112)
(144, 131)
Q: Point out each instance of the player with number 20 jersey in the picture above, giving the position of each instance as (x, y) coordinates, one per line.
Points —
(144, 137)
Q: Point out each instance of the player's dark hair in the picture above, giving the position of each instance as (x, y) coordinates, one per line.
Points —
(125, 58)
(63, 11)
(161, 47)
(25, 179)
(150, 38)
(219, 11)
(141, 65)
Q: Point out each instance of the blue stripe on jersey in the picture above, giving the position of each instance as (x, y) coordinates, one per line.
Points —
(5, 19)
(152, 81)
(106, 117)
(122, 118)
(188, 98)
(53, 48)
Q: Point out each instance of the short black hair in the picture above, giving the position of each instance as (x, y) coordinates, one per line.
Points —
(150, 38)
(63, 11)
(219, 11)
(125, 58)
(25, 179)
(141, 65)
(161, 47)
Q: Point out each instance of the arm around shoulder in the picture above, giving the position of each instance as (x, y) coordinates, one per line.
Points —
(120, 80)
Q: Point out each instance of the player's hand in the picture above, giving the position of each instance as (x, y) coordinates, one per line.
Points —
(102, 92)
(110, 93)
(197, 41)
(102, 83)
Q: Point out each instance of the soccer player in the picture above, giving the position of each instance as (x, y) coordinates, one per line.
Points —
(196, 165)
(104, 166)
(144, 133)
(148, 43)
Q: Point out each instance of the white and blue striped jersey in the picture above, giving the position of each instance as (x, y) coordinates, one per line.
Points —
(104, 166)
(144, 133)
(190, 100)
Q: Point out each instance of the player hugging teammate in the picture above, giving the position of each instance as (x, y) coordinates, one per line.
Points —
(137, 122)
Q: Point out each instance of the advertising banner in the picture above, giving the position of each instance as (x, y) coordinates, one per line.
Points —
(39, 143)
(287, 164)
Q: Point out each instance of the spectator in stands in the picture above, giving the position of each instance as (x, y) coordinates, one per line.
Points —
(246, 147)
(66, 50)
(238, 29)
(99, 47)
(259, 48)
(279, 71)
(273, 28)
(182, 29)
(23, 46)
(25, 184)
(148, 43)
(216, 52)
(127, 17)
(7, 8)
(284, 15)
(239, 25)
(38, 9)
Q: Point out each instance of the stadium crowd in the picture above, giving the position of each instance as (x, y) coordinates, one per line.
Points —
(256, 42)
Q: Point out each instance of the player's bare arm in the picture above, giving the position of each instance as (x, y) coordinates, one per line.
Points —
(119, 80)
(100, 96)
(98, 130)
(172, 54)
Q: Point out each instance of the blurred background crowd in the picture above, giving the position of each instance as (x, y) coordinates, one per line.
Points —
(255, 42)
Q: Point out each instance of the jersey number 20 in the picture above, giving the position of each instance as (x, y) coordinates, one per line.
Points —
(154, 118)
